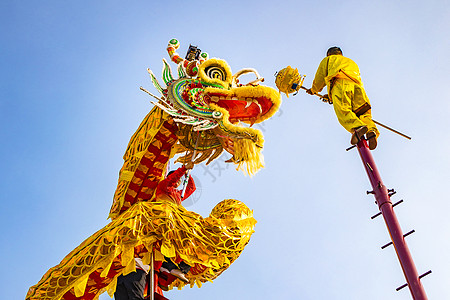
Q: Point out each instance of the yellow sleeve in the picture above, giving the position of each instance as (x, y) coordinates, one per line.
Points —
(319, 80)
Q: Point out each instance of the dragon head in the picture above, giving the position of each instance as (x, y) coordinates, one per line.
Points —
(214, 111)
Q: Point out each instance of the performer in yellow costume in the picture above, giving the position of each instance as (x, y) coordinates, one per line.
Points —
(345, 88)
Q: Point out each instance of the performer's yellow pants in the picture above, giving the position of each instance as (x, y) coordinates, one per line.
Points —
(347, 98)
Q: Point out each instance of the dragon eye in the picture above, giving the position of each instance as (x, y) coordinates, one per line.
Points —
(216, 72)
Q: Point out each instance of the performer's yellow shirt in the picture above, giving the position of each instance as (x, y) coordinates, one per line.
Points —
(335, 66)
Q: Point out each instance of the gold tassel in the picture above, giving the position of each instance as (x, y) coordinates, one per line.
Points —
(248, 156)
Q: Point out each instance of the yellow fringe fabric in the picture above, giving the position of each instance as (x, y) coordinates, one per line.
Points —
(209, 245)
(248, 156)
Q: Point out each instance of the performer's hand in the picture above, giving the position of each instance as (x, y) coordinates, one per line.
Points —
(326, 98)
(189, 165)
(308, 91)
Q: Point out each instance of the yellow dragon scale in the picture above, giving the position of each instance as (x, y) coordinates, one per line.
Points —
(211, 243)
(137, 148)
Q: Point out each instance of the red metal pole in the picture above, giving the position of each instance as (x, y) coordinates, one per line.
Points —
(384, 203)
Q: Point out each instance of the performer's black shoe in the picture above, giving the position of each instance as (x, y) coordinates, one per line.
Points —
(358, 134)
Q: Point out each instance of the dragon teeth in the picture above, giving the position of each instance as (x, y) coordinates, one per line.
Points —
(250, 101)
(229, 98)
(260, 107)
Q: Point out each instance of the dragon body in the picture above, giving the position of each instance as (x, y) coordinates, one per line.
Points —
(196, 118)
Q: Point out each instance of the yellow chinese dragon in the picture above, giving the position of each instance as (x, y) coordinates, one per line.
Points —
(198, 116)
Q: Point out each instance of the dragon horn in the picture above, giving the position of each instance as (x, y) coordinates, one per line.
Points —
(167, 73)
(155, 82)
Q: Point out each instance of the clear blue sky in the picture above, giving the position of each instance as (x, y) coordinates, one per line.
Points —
(70, 101)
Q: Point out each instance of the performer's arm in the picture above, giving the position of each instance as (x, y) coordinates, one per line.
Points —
(189, 189)
(172, 180)
(319, 79)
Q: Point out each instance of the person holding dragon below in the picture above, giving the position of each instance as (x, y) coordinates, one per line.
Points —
(345, 88)
(132, 286)
(168, 190)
